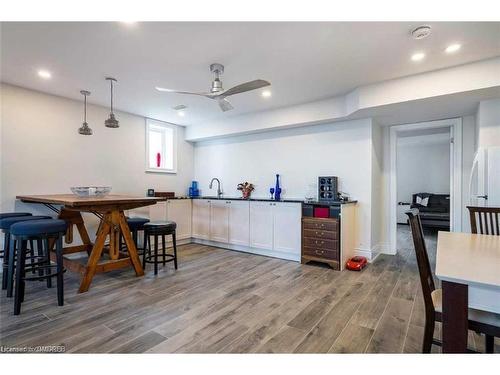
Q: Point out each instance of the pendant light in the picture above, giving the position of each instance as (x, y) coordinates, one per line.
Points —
(84, 129)
(111, 122)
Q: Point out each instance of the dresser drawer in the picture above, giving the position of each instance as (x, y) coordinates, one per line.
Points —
(330, 225)
(320, 253)
(320, 234)
(321, 243)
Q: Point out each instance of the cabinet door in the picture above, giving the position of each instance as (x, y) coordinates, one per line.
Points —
(201, 218)
(179, 210)
(239, 223)
(287, 227)
(261, 225)
(158, 211)
(219, 221)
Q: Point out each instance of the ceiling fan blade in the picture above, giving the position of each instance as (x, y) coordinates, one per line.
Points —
(225, 105)
(208, 94)
(244, 87)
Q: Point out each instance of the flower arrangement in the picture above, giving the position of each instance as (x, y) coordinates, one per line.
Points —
(246, 188)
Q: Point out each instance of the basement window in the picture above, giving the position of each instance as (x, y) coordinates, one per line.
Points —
(161, 147)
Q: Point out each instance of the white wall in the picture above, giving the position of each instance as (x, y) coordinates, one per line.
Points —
(377, 197)
(422, 166)
(42, 152)
(488, 119)
(299, 155)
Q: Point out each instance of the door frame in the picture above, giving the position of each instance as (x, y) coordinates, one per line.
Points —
(456, 207)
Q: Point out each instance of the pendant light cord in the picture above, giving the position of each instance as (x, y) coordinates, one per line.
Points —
(85, 108)
(111, 96)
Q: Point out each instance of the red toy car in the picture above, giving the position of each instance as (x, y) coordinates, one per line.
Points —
(356, 263)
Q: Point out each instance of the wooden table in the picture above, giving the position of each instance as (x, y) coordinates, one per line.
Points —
(109, 209)
(469, 267)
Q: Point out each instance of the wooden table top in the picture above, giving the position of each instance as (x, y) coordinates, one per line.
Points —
(72, 200)
(472, 259)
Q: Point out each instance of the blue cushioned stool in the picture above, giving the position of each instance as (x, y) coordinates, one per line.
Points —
(42, 231)
(156, 230)
(135, 225)
(5, 223)
(5, 215)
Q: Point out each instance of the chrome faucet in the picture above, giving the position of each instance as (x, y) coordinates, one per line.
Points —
(219, 191)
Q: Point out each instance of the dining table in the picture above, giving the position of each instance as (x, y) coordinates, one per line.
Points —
(468, 266)
(110, 210)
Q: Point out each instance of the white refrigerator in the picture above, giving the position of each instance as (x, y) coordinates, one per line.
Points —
(484, 183)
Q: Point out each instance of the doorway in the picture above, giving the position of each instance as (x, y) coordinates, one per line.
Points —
(425, 172)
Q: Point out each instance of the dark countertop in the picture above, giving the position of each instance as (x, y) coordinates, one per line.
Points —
(285, 200)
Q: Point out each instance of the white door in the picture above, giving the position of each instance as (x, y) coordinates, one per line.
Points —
(179, 210)
(158, 211)
(219, 221)
(239, 223)
(261, 225)
(201, 218)
(287, 227)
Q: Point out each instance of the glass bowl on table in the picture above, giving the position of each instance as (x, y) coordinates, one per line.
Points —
(91, 191)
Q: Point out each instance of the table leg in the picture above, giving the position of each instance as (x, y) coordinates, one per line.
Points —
(455, 319)
(75, 218)
(132, 250)
(95, 255)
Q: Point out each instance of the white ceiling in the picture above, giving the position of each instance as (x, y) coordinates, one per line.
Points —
(303, 61)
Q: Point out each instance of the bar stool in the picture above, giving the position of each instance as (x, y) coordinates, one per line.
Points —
(156, 229)
(5, 215)
(41, 231)
(5, 224)
(135, 225)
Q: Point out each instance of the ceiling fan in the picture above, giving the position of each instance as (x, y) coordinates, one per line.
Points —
(218, 93)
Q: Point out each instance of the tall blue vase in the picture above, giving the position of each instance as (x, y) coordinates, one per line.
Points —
(277, 189)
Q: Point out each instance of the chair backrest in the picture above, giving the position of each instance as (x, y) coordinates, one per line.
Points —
(424, 266)
(487, 218)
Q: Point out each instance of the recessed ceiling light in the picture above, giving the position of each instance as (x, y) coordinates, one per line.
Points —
(181, 113)
(453, 48)
(418, 56)
(45, 74)
(266, 94)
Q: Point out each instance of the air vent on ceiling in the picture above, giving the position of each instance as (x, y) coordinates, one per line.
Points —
(421, 32)
(179, 107)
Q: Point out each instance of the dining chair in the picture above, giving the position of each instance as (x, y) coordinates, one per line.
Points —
(487, 218)
(479, 321)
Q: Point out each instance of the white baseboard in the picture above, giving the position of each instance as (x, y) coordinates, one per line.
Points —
(374, 252)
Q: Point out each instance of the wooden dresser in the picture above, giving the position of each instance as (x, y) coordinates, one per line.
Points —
(329, 240)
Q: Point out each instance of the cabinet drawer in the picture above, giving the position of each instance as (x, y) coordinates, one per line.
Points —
(320, 253)
(319, 234)
(321, 243)
(330, 225)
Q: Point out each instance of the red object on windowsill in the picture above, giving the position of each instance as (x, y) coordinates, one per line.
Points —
(158, 159)
(356, 263)
(322, 212)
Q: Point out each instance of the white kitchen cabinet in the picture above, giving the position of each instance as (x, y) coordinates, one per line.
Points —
(201, 219)
(287, 227)
(179, 210)
(261, 225)
(239, 223)
(219, 221)
(158, 211)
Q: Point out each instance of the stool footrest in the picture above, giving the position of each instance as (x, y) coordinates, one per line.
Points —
(44, 277)
(161, 258)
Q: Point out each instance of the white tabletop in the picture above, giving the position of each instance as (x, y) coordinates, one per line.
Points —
(472, 259)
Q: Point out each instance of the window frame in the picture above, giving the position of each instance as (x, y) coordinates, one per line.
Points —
(160, 124)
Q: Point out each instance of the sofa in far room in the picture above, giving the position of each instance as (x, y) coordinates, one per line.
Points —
(434, 209)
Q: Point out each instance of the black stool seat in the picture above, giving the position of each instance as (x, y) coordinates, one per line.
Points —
(4, 215)
(9, 221)
(165, 227)
(136, 223)
(38, 227)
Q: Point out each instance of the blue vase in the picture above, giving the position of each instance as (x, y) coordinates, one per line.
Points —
(277, 189)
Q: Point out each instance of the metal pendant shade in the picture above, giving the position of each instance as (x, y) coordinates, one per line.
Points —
(84, 129)
(111, 122)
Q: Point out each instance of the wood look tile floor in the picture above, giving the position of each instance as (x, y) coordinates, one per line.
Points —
(222, 301)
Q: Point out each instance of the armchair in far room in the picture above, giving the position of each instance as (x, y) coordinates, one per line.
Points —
(434, 209)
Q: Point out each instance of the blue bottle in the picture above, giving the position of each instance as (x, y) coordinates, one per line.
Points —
(277, 189)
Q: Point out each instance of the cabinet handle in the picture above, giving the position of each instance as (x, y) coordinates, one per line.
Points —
(320, 252)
